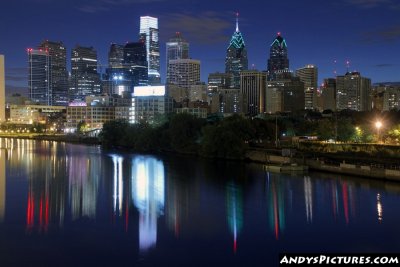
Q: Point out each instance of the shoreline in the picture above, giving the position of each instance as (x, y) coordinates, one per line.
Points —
(261, 156)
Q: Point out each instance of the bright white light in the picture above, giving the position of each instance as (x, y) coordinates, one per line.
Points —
(149, 90)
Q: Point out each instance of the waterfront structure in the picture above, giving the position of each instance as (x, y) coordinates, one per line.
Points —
(309, 76)
(252, 86)
(39, 77)
(353, 92)
(59, 74)
(329, 94)
(236, 56)
(176, 48)
(149, 33)
(184, 72)
(29, 114)
(85, 79)
(93, 116)
(284, 94)
(278, 56)
(2, 91)
(149, 102)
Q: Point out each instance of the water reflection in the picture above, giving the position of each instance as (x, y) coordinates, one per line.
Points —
(54, 187)
(148, 197)
(234, 211)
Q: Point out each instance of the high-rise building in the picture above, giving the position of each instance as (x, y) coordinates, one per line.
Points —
(252, 86)
(218, 80)
(59, 74)
(353, 92)
(284, 94)
(2, 91)
(309, 76)
(184, 72)
(149, 33)
(135, 61)
(115, 56)
(390, 93)
(85, 79)
(329, 94)
(236, 56)
(177, 48)
(39, 77)
(278, 56)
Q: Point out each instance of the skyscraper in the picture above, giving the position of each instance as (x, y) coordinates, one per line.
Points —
(252, 86)
(329, 94)
(115, 55)
(278, 56)
(84, 77)
(353, 92)
(149, 33)
(177, 48)
(309, 76)
(135, 61)
(59, 74)
(2, 91)
(236, 56)
(184, 72)
(39, 78)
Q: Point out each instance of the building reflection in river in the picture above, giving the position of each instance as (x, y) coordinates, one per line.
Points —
(3, 156)
(148, 185)
(234, 208)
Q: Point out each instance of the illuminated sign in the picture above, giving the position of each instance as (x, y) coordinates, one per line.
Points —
(149, 90)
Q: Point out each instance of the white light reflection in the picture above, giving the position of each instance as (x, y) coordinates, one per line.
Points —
(308, 198)
(118, 184)
(148, 197)
(379, 207)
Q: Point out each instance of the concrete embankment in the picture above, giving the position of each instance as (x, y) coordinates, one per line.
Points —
(375, 171)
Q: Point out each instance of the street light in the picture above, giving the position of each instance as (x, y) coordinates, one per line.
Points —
(378, 126)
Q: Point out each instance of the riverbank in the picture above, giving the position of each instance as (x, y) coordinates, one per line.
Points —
(348, 163)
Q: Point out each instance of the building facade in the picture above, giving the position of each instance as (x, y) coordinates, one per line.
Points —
(177, 48)
(236, 57)
(284, 95)
(278, 56)
(59, 73)
(85, 79)
(353, 92)
(252, 87)
(184, 72)
(309, 76)
(149, 33)
(329, 94)
(39, 77)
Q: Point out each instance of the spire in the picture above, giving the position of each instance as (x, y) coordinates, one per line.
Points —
(237, 21)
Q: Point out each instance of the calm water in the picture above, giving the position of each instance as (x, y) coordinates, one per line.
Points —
(75, 205)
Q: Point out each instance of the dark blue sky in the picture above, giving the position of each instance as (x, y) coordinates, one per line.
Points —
(365, 32)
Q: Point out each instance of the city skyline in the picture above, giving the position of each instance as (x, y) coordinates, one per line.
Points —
(316, 33)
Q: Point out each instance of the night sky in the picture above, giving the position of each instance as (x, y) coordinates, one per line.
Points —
(365, 32)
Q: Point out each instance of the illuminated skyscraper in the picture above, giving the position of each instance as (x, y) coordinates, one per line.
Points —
(236, 56)
(2, 91)
(84, 77)
(184, 72)
(309, 76)
(149, 33)
(39, 77)
(136, 64)
(59, 74)
(115, 55)
(278, 56)
(353, 92)
(252, 86)
(177, 48)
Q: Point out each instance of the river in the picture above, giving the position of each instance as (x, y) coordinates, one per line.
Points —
(76, 205)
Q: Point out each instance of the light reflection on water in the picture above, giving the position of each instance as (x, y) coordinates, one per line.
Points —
(150, 209)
